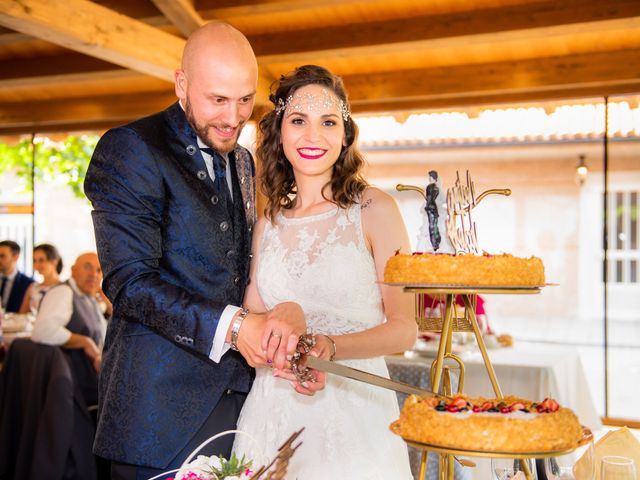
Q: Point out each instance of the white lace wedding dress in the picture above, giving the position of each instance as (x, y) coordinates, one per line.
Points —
(322, 263)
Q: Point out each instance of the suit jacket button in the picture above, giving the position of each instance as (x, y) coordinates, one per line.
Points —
(202, 174)
(231, 253)
(178, 338)
(224, 226)
(191, 149)
(236, 280)
(214, 199)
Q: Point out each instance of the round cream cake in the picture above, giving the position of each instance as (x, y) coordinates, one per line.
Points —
(510, 424)
(447, 269)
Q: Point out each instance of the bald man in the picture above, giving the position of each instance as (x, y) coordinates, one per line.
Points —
(174, 206)
(71, 317)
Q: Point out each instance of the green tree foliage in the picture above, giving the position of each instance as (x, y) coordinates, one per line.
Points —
(64, 161)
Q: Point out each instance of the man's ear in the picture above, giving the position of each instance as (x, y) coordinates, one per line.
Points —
(180, 80)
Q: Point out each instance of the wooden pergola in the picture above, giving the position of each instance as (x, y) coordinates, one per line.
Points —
(79, 64)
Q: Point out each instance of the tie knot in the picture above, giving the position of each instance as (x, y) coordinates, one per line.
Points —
(219, 162)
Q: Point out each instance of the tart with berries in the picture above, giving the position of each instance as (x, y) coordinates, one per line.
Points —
(510, 424)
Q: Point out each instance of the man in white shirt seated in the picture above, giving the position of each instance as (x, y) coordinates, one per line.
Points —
(71, 317)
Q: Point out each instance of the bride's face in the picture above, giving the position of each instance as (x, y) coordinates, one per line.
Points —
(312, 132)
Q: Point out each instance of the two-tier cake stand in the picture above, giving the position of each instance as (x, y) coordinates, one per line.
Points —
(461, 232)
(446, 322)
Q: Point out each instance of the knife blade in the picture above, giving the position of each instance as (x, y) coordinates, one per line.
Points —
(366, 377)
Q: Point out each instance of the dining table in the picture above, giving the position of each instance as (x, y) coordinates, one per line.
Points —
(15, 325)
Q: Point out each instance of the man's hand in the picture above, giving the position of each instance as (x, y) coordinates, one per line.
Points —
(250, 337)
(97, 363)
(284, 325)
(92, 351)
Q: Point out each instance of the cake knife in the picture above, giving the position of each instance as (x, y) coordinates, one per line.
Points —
(366, 377)
(378, 381)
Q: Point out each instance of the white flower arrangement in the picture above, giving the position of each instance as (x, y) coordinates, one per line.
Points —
(213, 467)
(216, 468)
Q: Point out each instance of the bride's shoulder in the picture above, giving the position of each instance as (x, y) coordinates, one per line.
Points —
(258, 228)
(376, 201)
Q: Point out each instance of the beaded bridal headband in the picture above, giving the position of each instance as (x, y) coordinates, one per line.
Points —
(312, 103)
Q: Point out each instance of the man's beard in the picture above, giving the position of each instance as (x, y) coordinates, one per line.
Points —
(203, 132)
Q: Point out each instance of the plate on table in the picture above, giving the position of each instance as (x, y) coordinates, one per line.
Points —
(15, 322)
(429, 349)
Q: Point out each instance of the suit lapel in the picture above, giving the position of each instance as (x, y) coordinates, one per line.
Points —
(246, 178)
(244, 163)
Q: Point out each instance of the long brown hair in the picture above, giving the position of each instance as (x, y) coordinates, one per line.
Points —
(277, 179)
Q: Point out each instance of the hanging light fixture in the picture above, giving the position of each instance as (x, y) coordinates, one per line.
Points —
(582, 170)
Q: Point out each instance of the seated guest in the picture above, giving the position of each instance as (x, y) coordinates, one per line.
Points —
(13, 284)
(47, 262)
(71, 317)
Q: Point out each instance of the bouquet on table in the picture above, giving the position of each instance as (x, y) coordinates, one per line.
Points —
(216, 468)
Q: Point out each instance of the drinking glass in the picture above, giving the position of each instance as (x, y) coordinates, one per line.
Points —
(617, 468)
(514, 468)
(576, 465)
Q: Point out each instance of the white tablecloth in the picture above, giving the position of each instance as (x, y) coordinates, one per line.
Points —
(532, 371)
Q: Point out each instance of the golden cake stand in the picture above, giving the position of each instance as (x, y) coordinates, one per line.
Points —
(447, 323)
(448, 455)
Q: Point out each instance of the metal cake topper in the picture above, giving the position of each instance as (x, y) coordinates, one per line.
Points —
(461, 200)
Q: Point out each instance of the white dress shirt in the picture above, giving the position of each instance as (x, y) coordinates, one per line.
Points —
(219, 347)
(55, 313)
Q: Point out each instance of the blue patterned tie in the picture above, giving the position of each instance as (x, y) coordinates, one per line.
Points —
(219, 169)
(220, 182)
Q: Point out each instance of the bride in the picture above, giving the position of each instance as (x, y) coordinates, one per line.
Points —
(324, 244)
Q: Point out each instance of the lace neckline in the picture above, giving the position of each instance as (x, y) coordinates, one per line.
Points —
(307, 219)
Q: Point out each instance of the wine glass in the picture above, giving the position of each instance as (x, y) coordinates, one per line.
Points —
(617, 468)
(514, 468)
(576, 465)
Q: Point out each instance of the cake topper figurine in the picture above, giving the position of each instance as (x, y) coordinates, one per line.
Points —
(431, 237)
(431, 208)
(461, 234)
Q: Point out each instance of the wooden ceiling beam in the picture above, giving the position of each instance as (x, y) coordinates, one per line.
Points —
(181, 13)
(487, 99)
(96, 31)
(80, 113)
(99, 32)
(573, 76)
(534, 75)
(447, 28)
(107, 112)
(69, 63)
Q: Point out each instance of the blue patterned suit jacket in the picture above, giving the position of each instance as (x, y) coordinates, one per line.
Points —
(173, 260)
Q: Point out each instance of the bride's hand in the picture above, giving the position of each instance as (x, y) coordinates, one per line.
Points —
(306, 388)
(324, 348)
